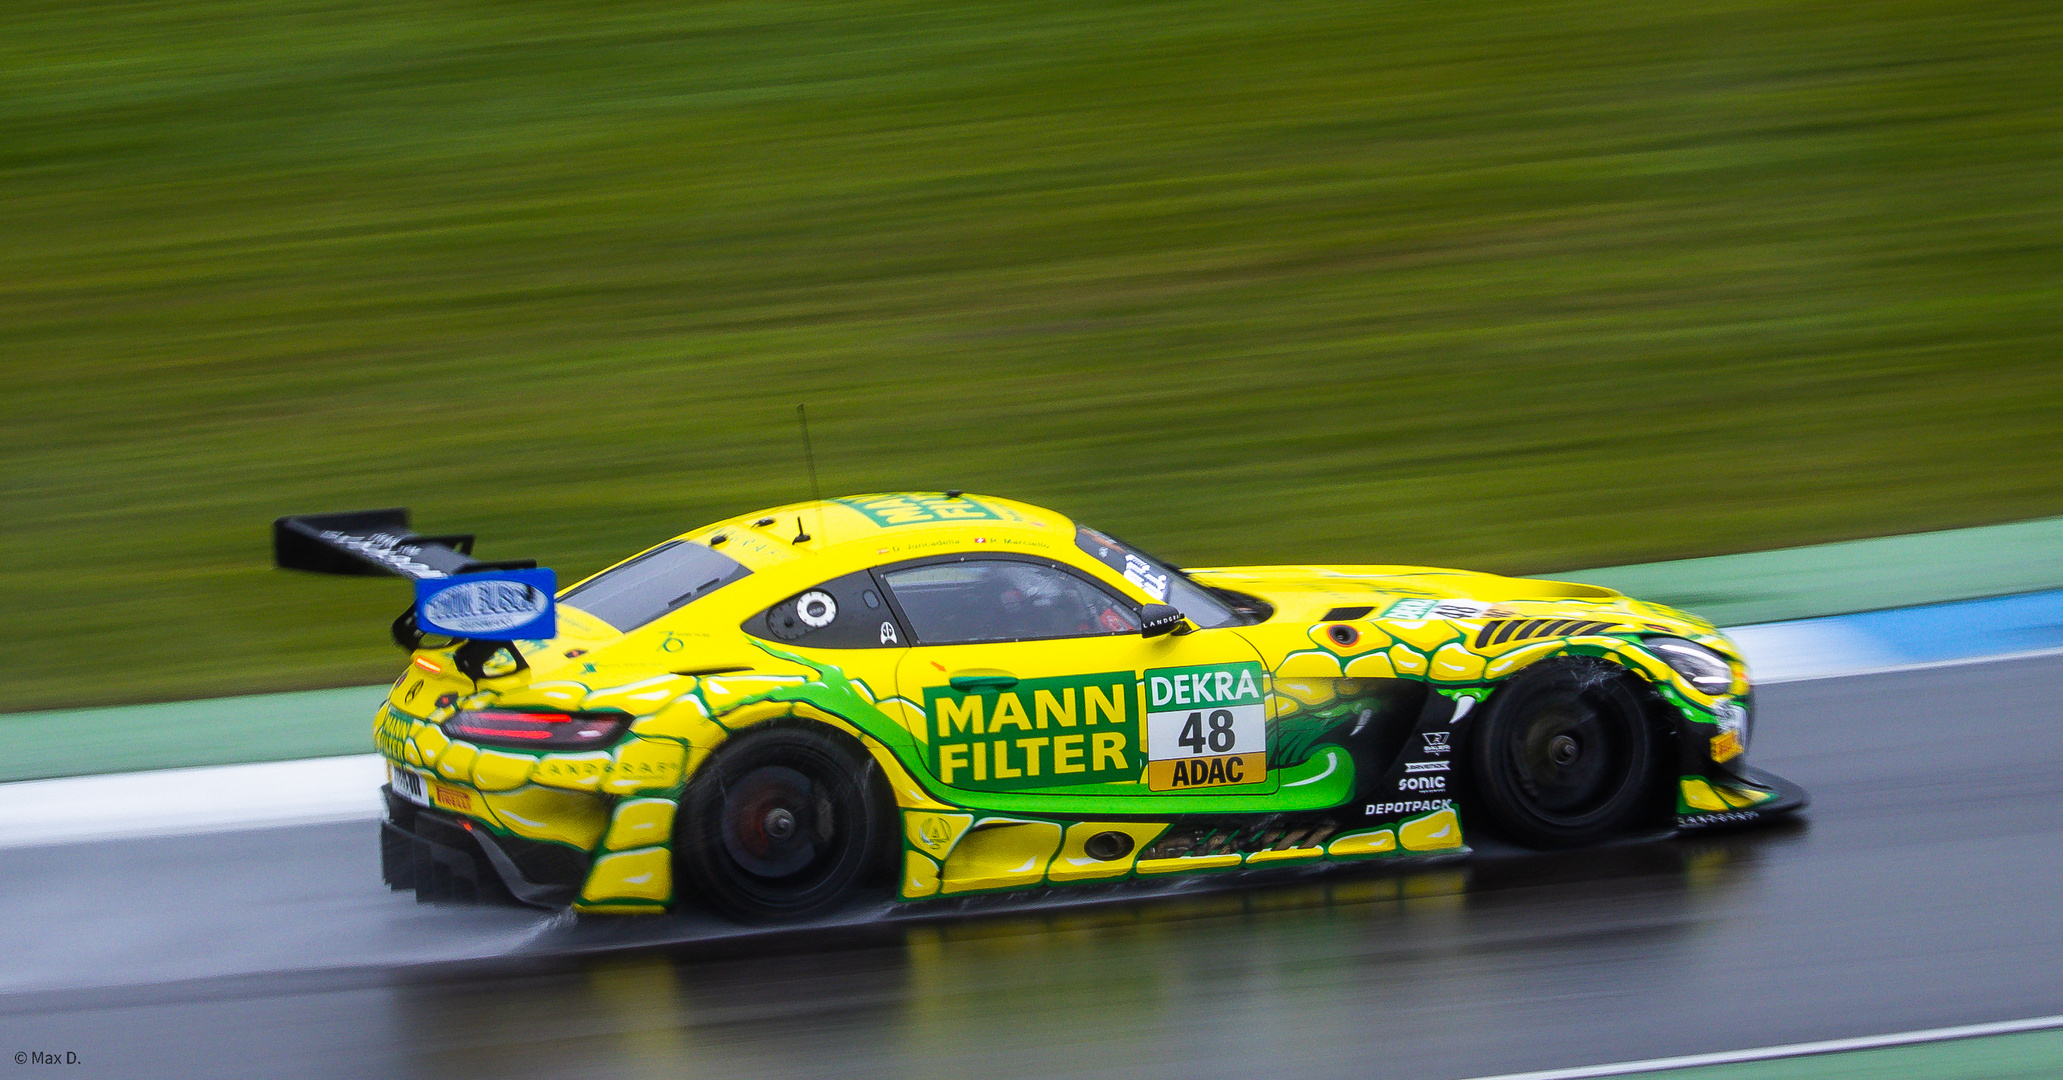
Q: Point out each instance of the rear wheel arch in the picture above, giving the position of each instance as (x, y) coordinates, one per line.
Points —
(787, 819)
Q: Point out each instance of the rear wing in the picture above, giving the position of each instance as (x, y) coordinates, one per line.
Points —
(370, 542)
(456, 595)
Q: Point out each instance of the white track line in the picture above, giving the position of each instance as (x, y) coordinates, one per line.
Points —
(167, 802)
(1772, 1053)
(2031, 654)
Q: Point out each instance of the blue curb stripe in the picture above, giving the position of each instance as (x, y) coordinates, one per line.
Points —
(1903, 637)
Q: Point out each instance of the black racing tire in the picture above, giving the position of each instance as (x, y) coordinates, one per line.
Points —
(1565, 755)
(783, 823)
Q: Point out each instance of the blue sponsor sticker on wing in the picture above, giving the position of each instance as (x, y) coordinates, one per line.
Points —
(498, 605)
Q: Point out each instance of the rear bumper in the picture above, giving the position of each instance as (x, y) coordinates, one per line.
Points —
(449, 859)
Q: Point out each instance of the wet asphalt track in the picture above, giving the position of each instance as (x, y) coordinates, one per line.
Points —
(1923, 889)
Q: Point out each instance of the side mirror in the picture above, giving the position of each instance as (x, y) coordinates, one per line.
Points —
(1158, 619)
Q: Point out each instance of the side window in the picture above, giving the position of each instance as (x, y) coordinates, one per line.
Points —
(662, 580)
(1004, 600)
(1154, 578)
(843, 613)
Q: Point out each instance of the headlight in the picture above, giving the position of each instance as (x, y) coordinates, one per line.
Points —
(1735, 720)
(1699, 666)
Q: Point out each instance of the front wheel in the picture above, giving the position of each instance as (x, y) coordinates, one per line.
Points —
(1564, 755)
(782, 824)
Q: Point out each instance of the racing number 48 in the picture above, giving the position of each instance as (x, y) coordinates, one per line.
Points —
(1220, 738)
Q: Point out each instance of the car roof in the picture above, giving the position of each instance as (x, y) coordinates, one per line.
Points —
(886, 524)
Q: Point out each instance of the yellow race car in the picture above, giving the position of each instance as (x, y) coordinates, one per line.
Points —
(938, 694)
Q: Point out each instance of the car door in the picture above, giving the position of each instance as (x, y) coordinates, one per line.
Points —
(1034, 678)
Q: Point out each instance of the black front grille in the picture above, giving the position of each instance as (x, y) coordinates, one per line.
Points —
(1499, 631)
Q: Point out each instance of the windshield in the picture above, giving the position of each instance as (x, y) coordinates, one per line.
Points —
(1159, 580)
(666, 578)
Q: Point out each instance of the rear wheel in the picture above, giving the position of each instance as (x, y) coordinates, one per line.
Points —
(782, 824)
(1564, 755)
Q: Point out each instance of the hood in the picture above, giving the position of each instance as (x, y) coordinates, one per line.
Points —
(1307, 594)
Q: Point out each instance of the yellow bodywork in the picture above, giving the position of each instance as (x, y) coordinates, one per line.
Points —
(693, 678)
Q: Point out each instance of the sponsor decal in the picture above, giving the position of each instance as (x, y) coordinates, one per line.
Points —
(409, 785)
(503, 605)
(935, 833)
(391, 734)
(1724, 817)
(1418, 608)
(1436, 742)
(452, 798)
(387, 550)
(1077, 729)
(1422, 783)
(1732, 740)
(1150, 581)
(1206, 726)
(891, 510)
(1426, 766)
(1410, 610)
(1409, 806)
(888, 633)
(1206, 772)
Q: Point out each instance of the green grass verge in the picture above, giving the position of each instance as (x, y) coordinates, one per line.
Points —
(1517, 286)
(2031, 1056)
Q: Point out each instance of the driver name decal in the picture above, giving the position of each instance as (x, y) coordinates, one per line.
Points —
(1037, 733)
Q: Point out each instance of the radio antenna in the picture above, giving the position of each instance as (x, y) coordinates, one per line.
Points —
(809, 455)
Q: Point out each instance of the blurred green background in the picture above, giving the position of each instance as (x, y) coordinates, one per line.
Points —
(1515, 286)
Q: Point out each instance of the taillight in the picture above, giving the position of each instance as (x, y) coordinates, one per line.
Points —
(538, 729)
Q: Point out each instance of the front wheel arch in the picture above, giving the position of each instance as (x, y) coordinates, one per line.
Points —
(1513, 748)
